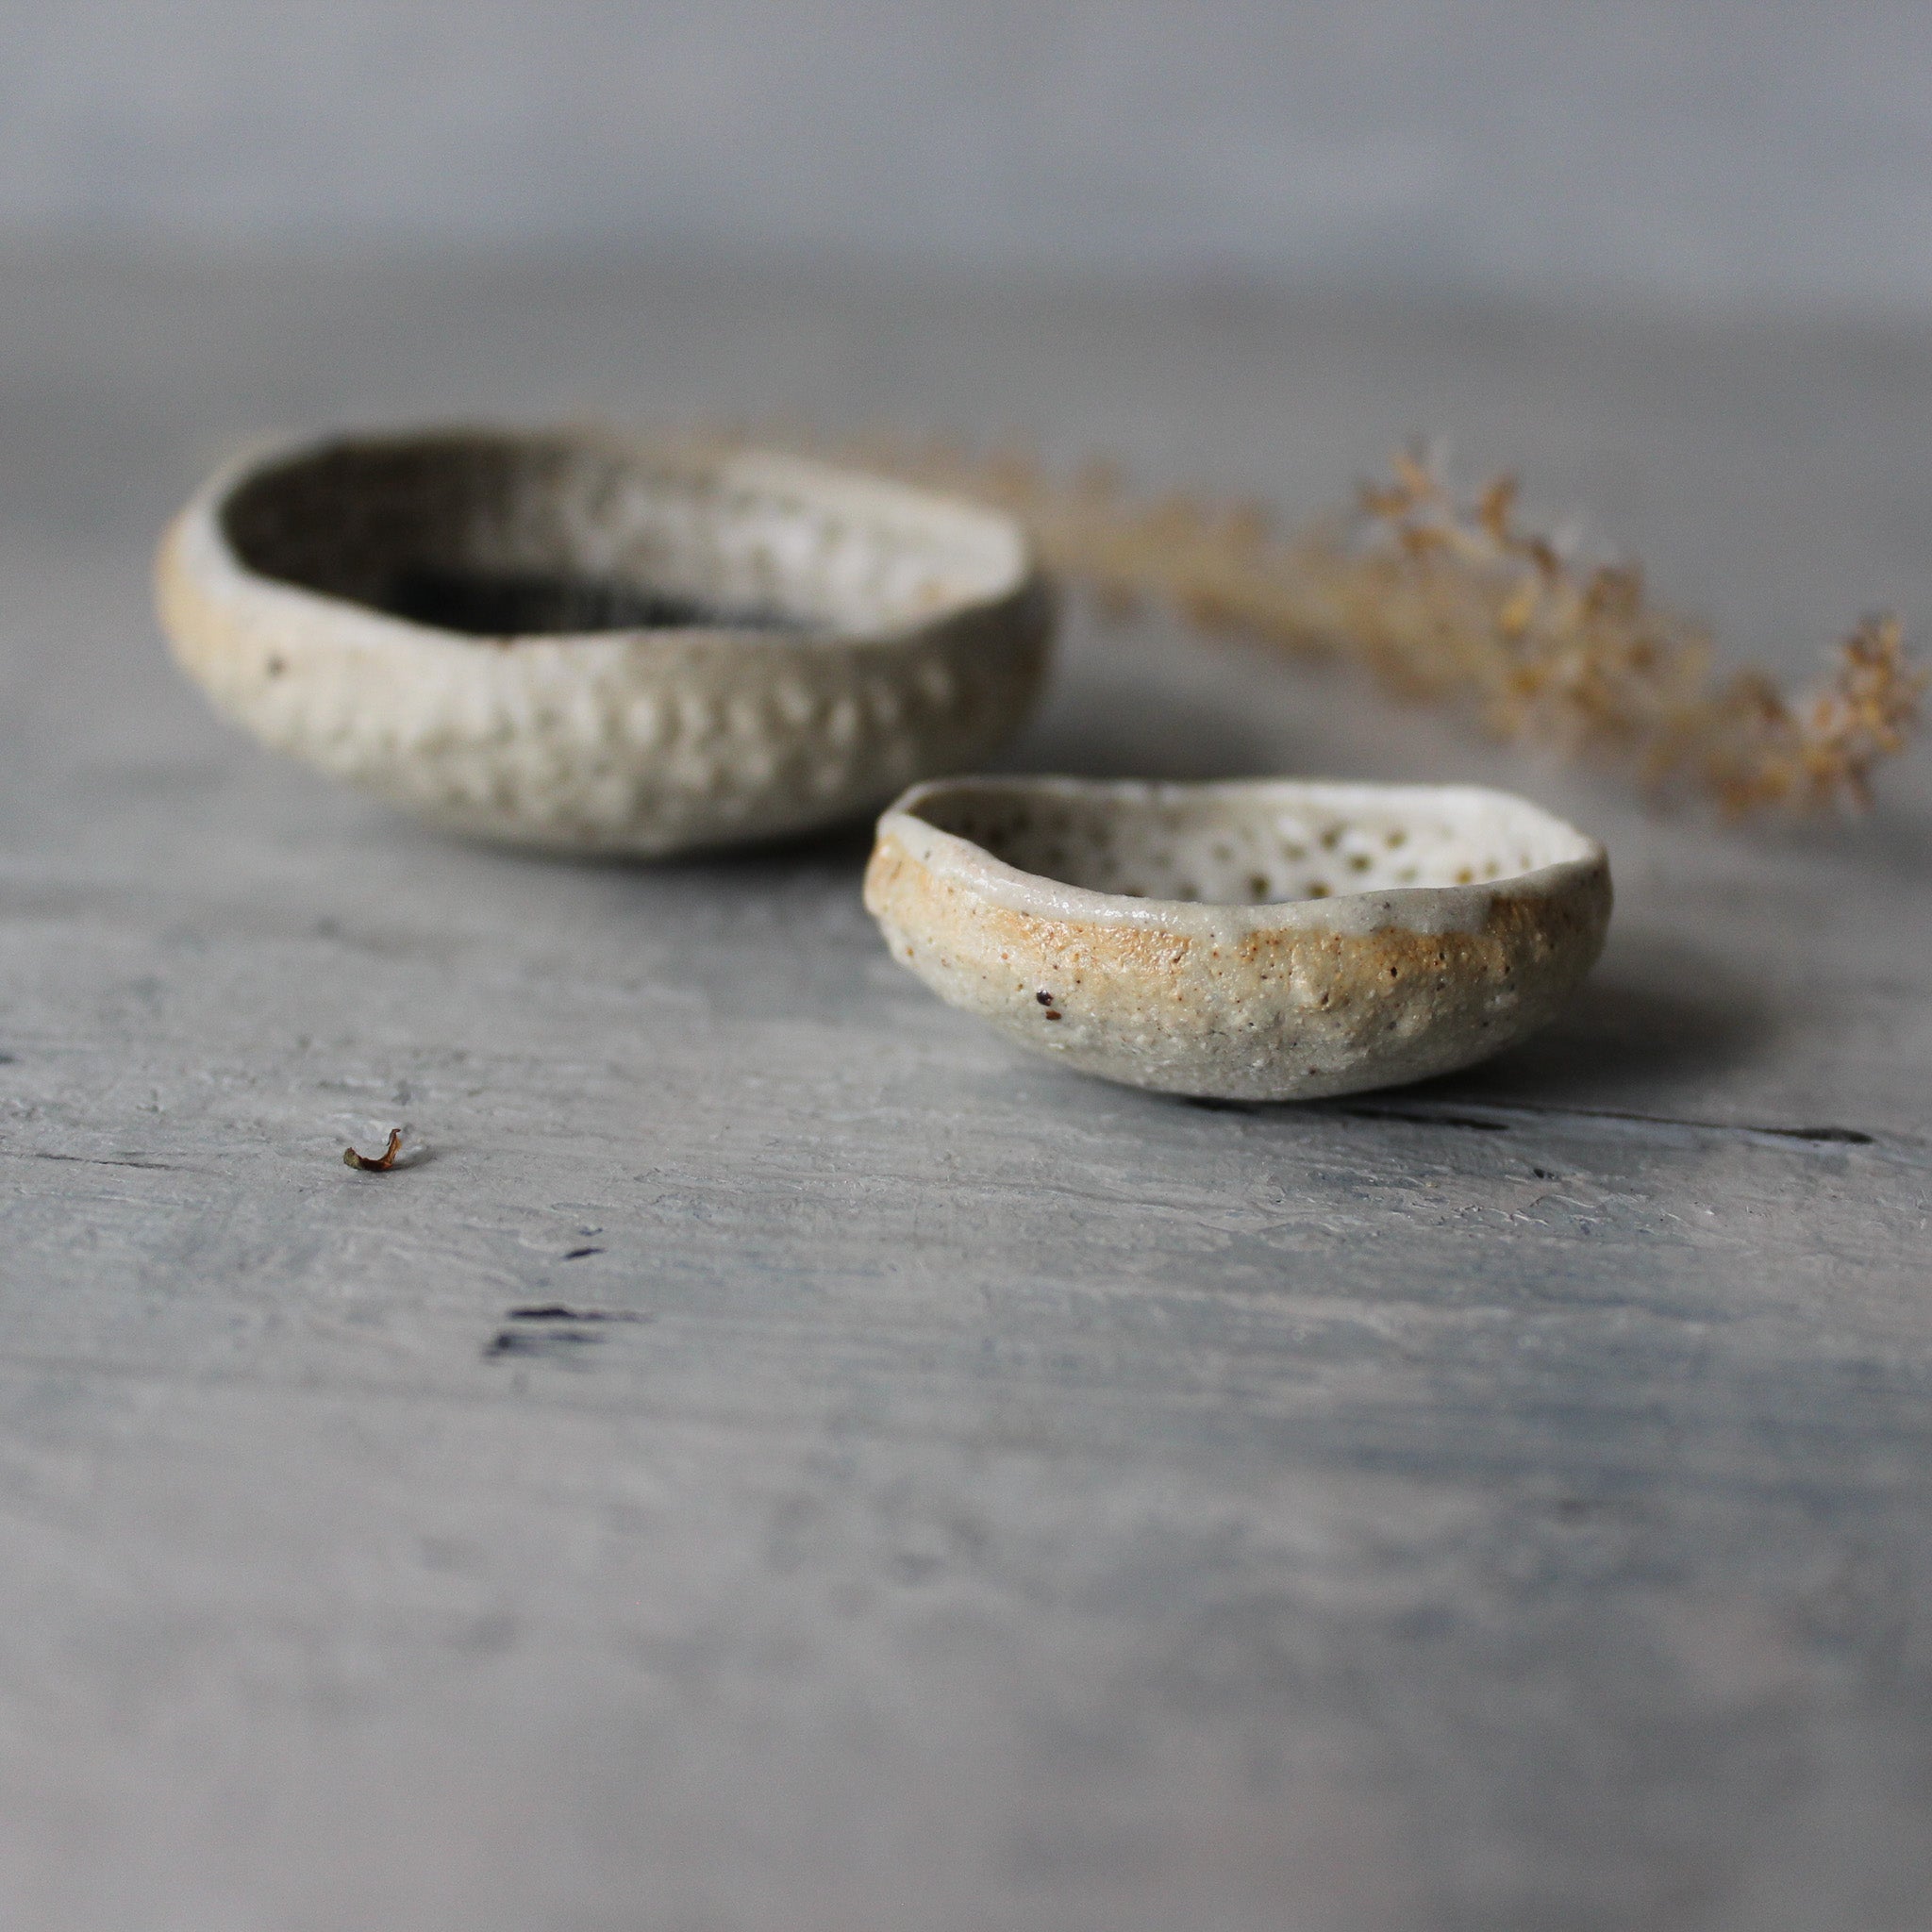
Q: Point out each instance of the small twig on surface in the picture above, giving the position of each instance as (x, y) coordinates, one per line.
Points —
(375, 1163)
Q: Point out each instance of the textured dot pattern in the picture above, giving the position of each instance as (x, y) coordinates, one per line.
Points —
(1288, 994)
(916, 641)
(1268, 850)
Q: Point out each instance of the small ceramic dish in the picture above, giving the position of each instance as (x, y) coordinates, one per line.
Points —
(570, 640)
(1259, 941)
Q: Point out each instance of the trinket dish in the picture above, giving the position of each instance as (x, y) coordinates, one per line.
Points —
(573, 640)
(1266, 940)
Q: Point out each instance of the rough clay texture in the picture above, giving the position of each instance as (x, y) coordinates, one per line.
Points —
(913, 635)
(1452, 958)
(1021, 1502)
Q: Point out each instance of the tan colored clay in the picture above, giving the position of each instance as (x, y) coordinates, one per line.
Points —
(570, 640)
(1260, 940)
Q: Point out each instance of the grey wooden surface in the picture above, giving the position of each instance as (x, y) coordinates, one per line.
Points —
(1016, 1503)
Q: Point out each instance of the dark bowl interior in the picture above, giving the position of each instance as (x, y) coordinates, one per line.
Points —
(490, 535)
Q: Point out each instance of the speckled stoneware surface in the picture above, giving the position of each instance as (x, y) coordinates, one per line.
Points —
(570, 640)
(1260, 940)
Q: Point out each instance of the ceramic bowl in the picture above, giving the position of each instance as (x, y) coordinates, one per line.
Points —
(570, 640)
(1270, 940)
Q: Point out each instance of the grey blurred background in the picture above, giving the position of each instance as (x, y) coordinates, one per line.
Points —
(1754, 151)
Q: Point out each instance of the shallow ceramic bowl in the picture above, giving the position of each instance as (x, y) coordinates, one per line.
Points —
(1260, 940)
(567, 640)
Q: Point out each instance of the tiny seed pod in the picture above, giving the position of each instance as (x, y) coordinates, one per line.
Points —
(375, 1163)
(1269, 940)
(570, 640)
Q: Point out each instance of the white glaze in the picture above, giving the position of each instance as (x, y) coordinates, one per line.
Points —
(914, 636)
(1477, 913)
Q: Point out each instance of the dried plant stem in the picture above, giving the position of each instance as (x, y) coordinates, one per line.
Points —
(1452, 601)
(375, 1163)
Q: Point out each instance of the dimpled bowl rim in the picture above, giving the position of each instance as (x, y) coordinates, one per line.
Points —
(1421, 908)
(1289, 998)
(920, 652)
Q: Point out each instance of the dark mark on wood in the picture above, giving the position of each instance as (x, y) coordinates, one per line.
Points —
(1530, 1110)
(100, 1160)
(1466, 1123)
(554, 1342)
(1815, 1137)
(555, 1330)
(562, 1312)
(1501, 1118)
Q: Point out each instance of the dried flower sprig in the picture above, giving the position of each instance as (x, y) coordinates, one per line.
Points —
(1452, 600)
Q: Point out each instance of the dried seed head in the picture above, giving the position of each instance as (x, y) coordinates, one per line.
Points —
(1457, 602)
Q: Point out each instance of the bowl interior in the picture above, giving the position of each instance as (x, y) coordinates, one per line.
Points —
(507, 535)
(1252, 845)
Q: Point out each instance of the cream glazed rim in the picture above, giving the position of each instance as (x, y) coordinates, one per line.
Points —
(1192, 939)
(1567, 858)
(198, 526)
(727, 643)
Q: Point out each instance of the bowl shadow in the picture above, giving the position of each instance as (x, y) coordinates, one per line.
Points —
(1635, 1038)
(1630, 1042)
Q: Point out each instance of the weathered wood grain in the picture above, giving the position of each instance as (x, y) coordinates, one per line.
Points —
(1016, 1502)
